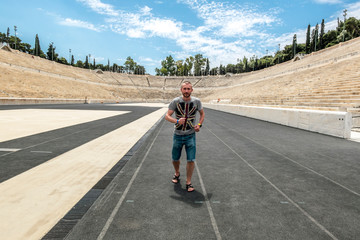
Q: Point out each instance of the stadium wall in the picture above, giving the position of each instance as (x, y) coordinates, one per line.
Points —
(331, 123)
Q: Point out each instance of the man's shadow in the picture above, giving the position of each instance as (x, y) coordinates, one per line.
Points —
(195, 199)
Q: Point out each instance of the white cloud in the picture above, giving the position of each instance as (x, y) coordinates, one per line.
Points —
(354, 10)
(146, 10)
(135, 33)
(162, 27)
(73, 22)
(231, 19)
(78, 23)
(142, 24)
(149, 61)
(224, 35)
(99, 7)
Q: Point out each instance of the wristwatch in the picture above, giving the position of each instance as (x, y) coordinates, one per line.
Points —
(200, 124)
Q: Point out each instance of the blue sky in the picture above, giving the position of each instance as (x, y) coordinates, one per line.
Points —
(150, 30)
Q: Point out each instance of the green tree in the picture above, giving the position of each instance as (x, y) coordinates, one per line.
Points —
(222, 70)
(37, 48)
(352, 26)
(51, 54)
(185, 66)
(2, 37)
(189, 63)
(316, 37)
(180, 68)
(158, 72)
(86, 65)
(239, 67)
(199, 63)
(62, 60)
(214, 71)
(79, 64)
(207, 68)
(246, 65)
(330, 38)
(72, 60)
(321, 37)
(14, 42)
(140, 70)
(130, 64)
(25, 47)
(168, 66)
(230, 68)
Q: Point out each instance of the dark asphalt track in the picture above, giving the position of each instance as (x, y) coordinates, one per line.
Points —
(253, 180)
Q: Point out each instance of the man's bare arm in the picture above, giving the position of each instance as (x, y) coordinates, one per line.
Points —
(201, 120)
(169, 118)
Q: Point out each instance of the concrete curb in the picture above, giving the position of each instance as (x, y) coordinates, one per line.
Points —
(331, 123)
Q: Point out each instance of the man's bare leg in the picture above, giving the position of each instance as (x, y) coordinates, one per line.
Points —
(176, 165)
(190, 166)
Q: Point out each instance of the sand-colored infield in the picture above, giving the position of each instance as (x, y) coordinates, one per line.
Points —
(34, 201)
(25, 122)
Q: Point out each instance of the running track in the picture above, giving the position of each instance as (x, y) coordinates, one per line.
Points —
(253, 180)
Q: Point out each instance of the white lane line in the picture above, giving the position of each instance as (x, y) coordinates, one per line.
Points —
(281, 192)
(208, 205)
(118, 205)
(40, 152)
(9, 149)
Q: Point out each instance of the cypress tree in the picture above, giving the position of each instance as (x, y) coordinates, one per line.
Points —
(316, 36)
(86, 62)
(37, 46)
(207, 69)
(307, 45)
(51, 54)
(322, 32)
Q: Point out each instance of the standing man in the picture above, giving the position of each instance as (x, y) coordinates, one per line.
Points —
(185, 108)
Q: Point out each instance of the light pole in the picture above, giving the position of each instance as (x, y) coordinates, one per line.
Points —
(52, 48)
(266, 57)
(89, 60)
(15, 28)
(253, 62)
(279, 53)
(344, 24)
(69, 56)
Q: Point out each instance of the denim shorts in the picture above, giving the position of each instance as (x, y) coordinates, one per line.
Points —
(190, 146)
